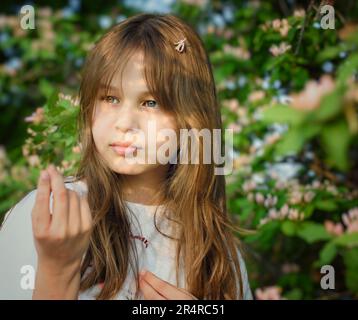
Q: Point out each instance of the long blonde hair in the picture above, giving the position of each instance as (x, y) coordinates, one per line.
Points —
(194, 196)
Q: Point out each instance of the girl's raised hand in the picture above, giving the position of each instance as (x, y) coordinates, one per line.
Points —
(61, 239)
(154, 288)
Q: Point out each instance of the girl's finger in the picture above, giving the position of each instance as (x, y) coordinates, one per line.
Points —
(165, 288)
(86, 216)
(74, 219)
(149, 292)
(41, 213)
(60, 200)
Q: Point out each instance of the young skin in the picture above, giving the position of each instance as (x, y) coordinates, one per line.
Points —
(122, 117)
(62, 240)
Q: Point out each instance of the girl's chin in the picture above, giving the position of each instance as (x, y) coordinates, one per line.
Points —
(130, 169)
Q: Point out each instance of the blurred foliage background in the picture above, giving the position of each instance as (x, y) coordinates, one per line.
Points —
(287, 87)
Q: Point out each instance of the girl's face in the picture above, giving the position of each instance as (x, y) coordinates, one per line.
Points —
(131, 117)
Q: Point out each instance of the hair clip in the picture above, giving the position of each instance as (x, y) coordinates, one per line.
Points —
(180, 45)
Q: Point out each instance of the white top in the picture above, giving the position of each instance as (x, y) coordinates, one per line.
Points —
(156, 252)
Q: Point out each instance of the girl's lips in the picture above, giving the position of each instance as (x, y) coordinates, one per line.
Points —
(120, 150)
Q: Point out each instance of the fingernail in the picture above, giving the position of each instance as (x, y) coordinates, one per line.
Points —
(44, 175)
(142, 273)
(52, 167)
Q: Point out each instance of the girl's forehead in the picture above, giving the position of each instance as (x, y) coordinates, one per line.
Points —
(130, 76)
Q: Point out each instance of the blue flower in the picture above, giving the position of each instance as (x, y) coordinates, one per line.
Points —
(328, 67)
(104, 22)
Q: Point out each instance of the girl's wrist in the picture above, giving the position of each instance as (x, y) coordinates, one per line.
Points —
(56, 284)
(59, 271)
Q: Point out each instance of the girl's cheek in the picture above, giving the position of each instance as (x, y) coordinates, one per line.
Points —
(100, 130)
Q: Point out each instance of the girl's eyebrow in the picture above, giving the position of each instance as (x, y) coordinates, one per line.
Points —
(115, 89)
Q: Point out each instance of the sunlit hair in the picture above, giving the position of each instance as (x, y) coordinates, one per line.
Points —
(194, 198)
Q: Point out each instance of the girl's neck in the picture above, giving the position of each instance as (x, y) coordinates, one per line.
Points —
(143, 188)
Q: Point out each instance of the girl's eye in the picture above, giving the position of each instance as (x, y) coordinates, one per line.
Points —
(151, 103)
(111, 99)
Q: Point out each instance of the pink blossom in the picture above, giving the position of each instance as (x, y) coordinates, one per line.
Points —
(280, 49)
(199, 3)
(241, 161)
(256, 96)
(259, 198)
(350, 220)
(76, 149)
(299, 13)
(308, 196)
(290, 267)
(36, 117)
(296, 197)
(238, 52)
(249, 185)
(335, 229)
(232, 104)
(235, 127)
(310, 97)
(269, 293)
(34, 160)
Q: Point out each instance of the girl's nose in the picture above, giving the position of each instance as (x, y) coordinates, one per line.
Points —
(126, 118)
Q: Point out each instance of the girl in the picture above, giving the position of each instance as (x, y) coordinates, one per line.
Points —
(89, 236)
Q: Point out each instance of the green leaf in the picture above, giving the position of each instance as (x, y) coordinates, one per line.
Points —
(328, 253)
(265, 235)
(326, 205)
(312, 232)
(294, 294)
(350, 258)
(282, 114)
(289, 228)
(335, 139)
(330, 106)
(330, 52)
(46, 88)
(347, 68)
(291, 143)
(347, 239)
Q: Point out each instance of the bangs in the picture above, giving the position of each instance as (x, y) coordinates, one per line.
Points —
(113, 58)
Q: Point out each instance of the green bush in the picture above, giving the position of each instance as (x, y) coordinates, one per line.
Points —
(287, 88)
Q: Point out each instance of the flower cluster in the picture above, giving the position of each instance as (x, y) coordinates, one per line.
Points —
(279, 25)
(238, 52)
(75, 101)
(349, 224)
(36, 117)
(277, 50)
(284, 213)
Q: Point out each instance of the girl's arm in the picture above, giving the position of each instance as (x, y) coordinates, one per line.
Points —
(59, 285)
(61, 239)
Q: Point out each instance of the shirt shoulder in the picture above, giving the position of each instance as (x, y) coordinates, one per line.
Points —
(17, 250)
(245, 279)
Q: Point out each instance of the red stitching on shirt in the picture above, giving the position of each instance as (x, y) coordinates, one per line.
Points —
(141, 238)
